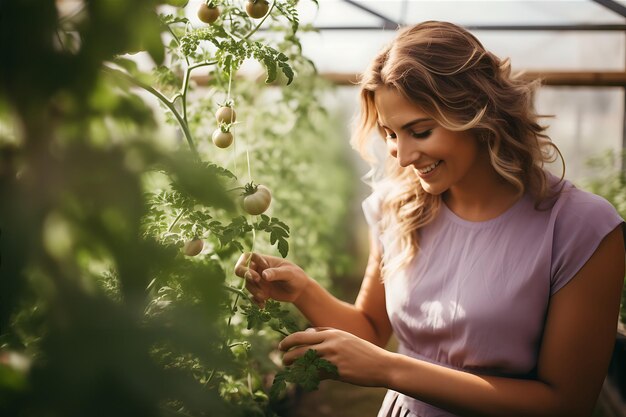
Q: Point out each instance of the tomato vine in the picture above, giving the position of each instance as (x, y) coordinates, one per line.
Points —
(101, 289)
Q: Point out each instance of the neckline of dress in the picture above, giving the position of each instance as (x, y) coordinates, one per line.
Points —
(483, 223)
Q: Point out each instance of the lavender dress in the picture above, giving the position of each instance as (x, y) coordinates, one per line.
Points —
(476, 296)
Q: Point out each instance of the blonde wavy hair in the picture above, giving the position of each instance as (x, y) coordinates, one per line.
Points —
(446, 71)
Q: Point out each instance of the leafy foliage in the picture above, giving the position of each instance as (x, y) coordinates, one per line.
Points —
(100, 311)
(609, 181)
(306, 371)
(277, 318)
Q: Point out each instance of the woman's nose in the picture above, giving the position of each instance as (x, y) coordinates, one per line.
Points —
(406, 152)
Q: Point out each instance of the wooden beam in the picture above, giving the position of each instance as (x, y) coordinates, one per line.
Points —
(555, 78)
(552, 78)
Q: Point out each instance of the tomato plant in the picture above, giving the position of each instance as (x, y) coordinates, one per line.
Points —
(116, 303)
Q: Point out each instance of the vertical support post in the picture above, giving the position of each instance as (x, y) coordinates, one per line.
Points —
(623, 150)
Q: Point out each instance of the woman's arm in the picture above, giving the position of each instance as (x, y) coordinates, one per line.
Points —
(573, 359)
(367, 318)
(279, 279)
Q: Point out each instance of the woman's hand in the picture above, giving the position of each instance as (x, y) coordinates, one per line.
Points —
(358, 361)
(271, 277)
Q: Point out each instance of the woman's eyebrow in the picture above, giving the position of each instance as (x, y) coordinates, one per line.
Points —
(409, 124)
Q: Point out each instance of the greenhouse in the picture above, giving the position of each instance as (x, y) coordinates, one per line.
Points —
(294, 208)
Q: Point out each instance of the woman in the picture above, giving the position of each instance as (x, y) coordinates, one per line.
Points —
(501, 282)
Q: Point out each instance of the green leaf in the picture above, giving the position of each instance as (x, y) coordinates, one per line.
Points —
(283, 247)
(200, 181)
(270, 65)
(286, 69)
(278, 386)
(279, 232)
(305, 371)
(279, 223)
(128, 64)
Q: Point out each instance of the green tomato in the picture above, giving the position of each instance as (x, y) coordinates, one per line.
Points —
(240, 351)
(256, 9)
(222, 139)
(226, 115)
(208, 14)
(258, 201)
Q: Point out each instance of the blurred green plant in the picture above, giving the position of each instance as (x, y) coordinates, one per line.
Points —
(101, 312)
(609, 181)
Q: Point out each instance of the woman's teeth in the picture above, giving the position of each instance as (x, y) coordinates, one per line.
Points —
(429, 168)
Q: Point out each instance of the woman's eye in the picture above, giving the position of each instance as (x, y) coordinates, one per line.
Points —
(390, 136)
(422, 135)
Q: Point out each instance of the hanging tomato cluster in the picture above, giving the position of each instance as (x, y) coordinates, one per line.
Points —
(255, 198)
(208, 12)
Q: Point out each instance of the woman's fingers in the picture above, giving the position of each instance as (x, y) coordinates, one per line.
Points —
(256, 289)
(251, 262)
(292, 355)
(259, 301)
(255, 258)
(308, 337)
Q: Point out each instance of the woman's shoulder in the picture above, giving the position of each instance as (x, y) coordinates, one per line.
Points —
(574, 204)
(581, 220)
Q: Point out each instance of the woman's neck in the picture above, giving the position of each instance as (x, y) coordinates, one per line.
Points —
(482, 196)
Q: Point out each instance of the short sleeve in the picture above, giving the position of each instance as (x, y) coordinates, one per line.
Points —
(582, 222)
(372, 210)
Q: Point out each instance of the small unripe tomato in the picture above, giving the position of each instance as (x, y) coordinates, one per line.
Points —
(257, 201)
(208, 14)
(241, 350)
(222, 139)
(225, 115)
(193, 247)
(256, 9)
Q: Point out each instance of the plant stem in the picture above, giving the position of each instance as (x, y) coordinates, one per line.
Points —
(169, 229)
(235, 188)
(186, 78)
(237, 291)
(168, 103)
(210, 377)
(281, 332)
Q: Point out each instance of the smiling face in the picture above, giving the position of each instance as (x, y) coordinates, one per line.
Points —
(442, 159)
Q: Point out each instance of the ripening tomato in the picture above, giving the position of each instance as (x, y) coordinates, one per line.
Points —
(226, 114)
(256, 199)
(256, 9)
(208, 13)
(193, 247)
(222, 139)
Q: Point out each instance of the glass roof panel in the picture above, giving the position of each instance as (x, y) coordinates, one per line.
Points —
(351, 50)
(333, 12)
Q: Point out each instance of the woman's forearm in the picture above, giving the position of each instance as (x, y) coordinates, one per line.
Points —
(468, 394)
(322, 309)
